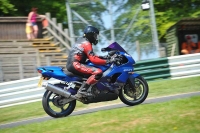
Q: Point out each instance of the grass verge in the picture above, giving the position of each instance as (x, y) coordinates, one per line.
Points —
(177, 116)
(158, 88)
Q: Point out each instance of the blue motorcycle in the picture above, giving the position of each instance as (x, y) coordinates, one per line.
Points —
(118, 80)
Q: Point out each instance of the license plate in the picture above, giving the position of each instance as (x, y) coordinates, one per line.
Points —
(40, 82)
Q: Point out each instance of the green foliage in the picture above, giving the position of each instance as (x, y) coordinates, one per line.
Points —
(134, 24)
(6, 7)
(169, 12)
(90, 11)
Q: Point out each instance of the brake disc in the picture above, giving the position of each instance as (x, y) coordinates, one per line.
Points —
(128, 91)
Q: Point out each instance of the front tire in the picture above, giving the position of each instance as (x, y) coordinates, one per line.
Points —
(134, 96)
(54, 108)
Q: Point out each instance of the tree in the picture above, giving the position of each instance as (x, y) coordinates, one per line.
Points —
(134, 25)
(6, 7)
(57, 8)
(170, 12)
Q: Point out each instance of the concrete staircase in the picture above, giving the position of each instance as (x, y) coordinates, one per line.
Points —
(19, 58)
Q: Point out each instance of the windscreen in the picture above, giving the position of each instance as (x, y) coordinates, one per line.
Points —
(116, 46)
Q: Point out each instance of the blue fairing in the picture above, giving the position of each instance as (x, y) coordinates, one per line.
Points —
(56, 72)
(102, 67)
(135, 75)
(112, 73)
(123, 69)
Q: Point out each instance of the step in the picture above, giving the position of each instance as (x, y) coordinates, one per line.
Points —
(15, 44)
(45, 45)
(50, 51)
(15, 64)
(22, 55)
(47, 48)
(18, 51)
(53, 54)
(60, 57)
(59, 64)
(41, 43)
(16, 57)
(57, 59)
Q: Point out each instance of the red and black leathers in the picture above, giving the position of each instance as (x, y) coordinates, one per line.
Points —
(78, 54)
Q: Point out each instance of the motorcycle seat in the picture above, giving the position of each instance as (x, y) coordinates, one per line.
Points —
(68, 73)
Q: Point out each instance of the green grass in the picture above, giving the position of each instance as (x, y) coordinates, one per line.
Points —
(176, 116)
(158, 88)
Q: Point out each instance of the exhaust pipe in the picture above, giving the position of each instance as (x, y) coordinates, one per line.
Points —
(58, 90)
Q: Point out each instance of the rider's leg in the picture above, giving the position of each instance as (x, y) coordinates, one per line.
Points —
(95, 73)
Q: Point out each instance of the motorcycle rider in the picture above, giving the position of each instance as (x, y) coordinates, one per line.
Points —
(79, 53)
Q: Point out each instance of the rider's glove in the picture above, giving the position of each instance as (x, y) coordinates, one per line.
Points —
(112, 60)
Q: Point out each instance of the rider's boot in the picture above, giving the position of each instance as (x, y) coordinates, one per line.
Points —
(82, 92)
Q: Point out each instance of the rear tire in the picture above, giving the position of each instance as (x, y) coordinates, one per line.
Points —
(50, 102)
(131, 98)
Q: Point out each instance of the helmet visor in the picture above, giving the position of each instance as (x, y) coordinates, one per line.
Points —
(96, 36)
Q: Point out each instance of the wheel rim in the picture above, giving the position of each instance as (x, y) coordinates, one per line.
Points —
(132, 95)
(55, 104)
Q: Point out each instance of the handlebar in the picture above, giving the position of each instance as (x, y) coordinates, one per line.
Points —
(118, 58)
(113, 55)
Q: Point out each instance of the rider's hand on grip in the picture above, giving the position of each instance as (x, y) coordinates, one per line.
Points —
(113, 60)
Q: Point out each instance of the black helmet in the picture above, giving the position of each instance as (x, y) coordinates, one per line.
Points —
(91, 34)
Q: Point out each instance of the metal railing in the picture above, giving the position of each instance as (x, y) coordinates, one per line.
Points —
(169, 67)
(56, 30)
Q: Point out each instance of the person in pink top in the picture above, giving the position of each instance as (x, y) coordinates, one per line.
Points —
(32, 19)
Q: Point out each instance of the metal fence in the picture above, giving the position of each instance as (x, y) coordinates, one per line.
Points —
(169, 67)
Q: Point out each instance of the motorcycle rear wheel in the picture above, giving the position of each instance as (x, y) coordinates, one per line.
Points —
(134, 96)
(52, 107)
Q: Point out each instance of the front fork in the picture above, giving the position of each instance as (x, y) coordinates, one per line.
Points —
(131, 81)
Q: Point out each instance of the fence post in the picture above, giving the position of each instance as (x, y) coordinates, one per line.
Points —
(54, 29)
(61, 28)
(21, 76)
(38, 58)
(173, 49)
(48, 61)
(48, 15)
(138, 50)
(1, 73)
(67, 33)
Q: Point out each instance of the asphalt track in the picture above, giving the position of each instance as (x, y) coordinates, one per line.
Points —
(107, 107)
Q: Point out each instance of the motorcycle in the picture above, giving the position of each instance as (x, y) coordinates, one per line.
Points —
(118, 80)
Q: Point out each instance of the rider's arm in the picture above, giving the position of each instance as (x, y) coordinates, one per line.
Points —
(91, 56)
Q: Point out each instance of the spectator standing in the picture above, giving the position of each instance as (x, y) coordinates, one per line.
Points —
(29, 31)
(32, 19)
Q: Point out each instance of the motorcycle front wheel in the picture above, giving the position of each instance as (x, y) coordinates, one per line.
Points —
(136, 95)
(52, 104)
